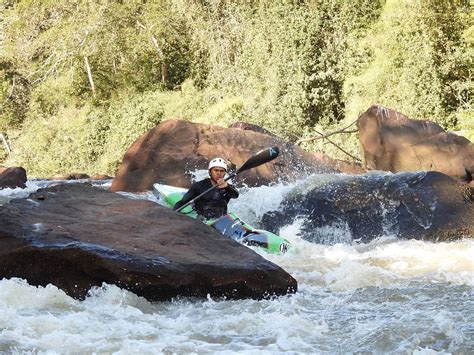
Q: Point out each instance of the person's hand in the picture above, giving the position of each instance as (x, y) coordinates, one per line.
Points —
(222, 184)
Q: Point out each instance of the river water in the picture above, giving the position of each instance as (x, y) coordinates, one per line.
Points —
(387, 296)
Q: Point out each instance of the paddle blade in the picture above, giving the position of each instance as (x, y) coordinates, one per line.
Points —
(262, 157)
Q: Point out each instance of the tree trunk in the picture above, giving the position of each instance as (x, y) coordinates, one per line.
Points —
(89, 74)
(5, 143)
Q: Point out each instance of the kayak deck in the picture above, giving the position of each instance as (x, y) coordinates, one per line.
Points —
(232, 226)
(229, 225)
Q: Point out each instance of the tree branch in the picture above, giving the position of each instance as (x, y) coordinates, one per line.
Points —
(84, 39)
(5, 143)
(89, 74)
(325, 136)
(49, 71)
(155, 43)
(164, 68)
(322, 136)
(340, 148)
(45, 63)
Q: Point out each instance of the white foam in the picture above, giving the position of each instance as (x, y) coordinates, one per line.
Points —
(198, 174)
(254, 202)
(386, 296)
(9, 194)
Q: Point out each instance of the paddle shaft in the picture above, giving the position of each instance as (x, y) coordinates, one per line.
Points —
(262, 157)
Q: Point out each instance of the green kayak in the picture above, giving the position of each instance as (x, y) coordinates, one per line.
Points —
(229, 225)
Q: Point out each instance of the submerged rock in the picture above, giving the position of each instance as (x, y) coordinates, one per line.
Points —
(420, 205)
(78, 236)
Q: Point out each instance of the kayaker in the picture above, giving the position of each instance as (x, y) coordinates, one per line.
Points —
(214, 203)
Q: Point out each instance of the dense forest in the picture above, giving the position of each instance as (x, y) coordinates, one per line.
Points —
(82, 79)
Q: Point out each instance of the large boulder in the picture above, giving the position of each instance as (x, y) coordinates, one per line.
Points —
(411, 205)
(251, 127)
(170, 151)
(12, 178)
(393, 142)
(78, 236)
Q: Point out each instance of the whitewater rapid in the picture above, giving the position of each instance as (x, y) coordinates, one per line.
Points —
(390, 295)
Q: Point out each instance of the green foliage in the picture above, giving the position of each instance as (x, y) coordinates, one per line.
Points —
(185, 103)
(14, 98)
(129, 116)
(127, 44)
(84, 79)
(465, 126)
(282, 62)
(414, 60)
(56, 144)
(85, 138)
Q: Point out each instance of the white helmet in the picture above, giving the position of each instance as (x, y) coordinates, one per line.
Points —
(217, 163)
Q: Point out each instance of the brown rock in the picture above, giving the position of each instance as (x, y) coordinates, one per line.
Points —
(71, 176)
(101, 177)
(393, 142)
(251, 127)
(168, 152)
(76, 236)
(341, 165)
(12, 177)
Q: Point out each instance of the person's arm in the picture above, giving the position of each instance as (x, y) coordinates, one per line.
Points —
(231, 191)
(188, 196)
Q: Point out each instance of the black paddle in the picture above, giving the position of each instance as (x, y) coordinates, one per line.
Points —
(262, 157)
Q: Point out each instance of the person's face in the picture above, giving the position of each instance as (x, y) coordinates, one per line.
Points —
(217, 174)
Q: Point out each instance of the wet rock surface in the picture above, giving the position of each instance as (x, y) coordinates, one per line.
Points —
(71, 176)
(167, 153)
(80, 176)
(12, 178)
(419, 205)
(78, 236)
